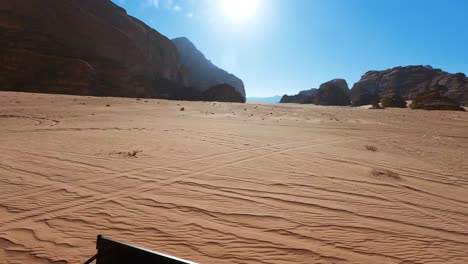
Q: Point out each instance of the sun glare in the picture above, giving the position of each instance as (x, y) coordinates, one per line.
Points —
(239, 10)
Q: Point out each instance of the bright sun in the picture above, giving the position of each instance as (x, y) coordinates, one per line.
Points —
(239, 10)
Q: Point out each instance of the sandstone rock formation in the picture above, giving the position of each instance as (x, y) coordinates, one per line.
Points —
(88, 47)
(304, 97)
(293, 99)
(201, 73)
(310, 92)
(334, 92)
(434, 100)
(393, 99)
(408, 81)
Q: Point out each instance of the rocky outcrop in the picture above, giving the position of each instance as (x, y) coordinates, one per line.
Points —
(408, 81)
(334, 92)
(88, 47)
(434, 100)
(393, 99)
(308, 93)
(201, 73)
(304, 97)
(223, 93)
(293, 99)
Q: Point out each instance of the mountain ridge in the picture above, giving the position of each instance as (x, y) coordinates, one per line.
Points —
(201, 72)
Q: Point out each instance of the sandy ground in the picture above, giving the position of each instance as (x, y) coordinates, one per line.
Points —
(231, 183)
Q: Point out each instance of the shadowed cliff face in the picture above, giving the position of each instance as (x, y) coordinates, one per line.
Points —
(223, 93)
(408, 81)
(88, 47)
(200, 72)
(91, 47)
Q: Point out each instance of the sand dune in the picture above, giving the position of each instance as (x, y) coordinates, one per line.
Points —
(231, 183)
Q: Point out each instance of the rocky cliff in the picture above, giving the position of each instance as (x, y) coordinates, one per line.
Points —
(408, 81)
(88, 47)
(201, 73)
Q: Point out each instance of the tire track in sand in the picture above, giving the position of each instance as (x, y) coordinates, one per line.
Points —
(86, 202)
(126, 173)
(389, 199)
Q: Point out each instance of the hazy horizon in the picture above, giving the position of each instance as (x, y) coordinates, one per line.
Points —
(281, 47)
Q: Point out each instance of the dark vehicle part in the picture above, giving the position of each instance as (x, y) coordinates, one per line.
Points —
(114, 252)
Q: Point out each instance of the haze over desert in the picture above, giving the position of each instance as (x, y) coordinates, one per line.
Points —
(231, 183)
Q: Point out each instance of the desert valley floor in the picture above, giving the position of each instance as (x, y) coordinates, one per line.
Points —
(231, 183)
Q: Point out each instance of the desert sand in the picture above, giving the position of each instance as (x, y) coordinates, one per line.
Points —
(231, 183)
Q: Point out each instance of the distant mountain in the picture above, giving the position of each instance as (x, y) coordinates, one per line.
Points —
(273, 99)
(201, 73)
(92, 47)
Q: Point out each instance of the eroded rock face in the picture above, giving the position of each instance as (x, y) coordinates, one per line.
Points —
(91, 47)
(434, 100)
(200, 72)
(23, 70)
(223, 93)
(408, 81)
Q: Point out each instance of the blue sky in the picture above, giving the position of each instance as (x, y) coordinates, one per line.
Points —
(292, 45)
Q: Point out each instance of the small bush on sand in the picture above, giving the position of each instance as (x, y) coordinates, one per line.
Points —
(134, 153)
(385, 173)
(130, 154)
(371, 148)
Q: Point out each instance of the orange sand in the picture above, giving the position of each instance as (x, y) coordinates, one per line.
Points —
(231, 183)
